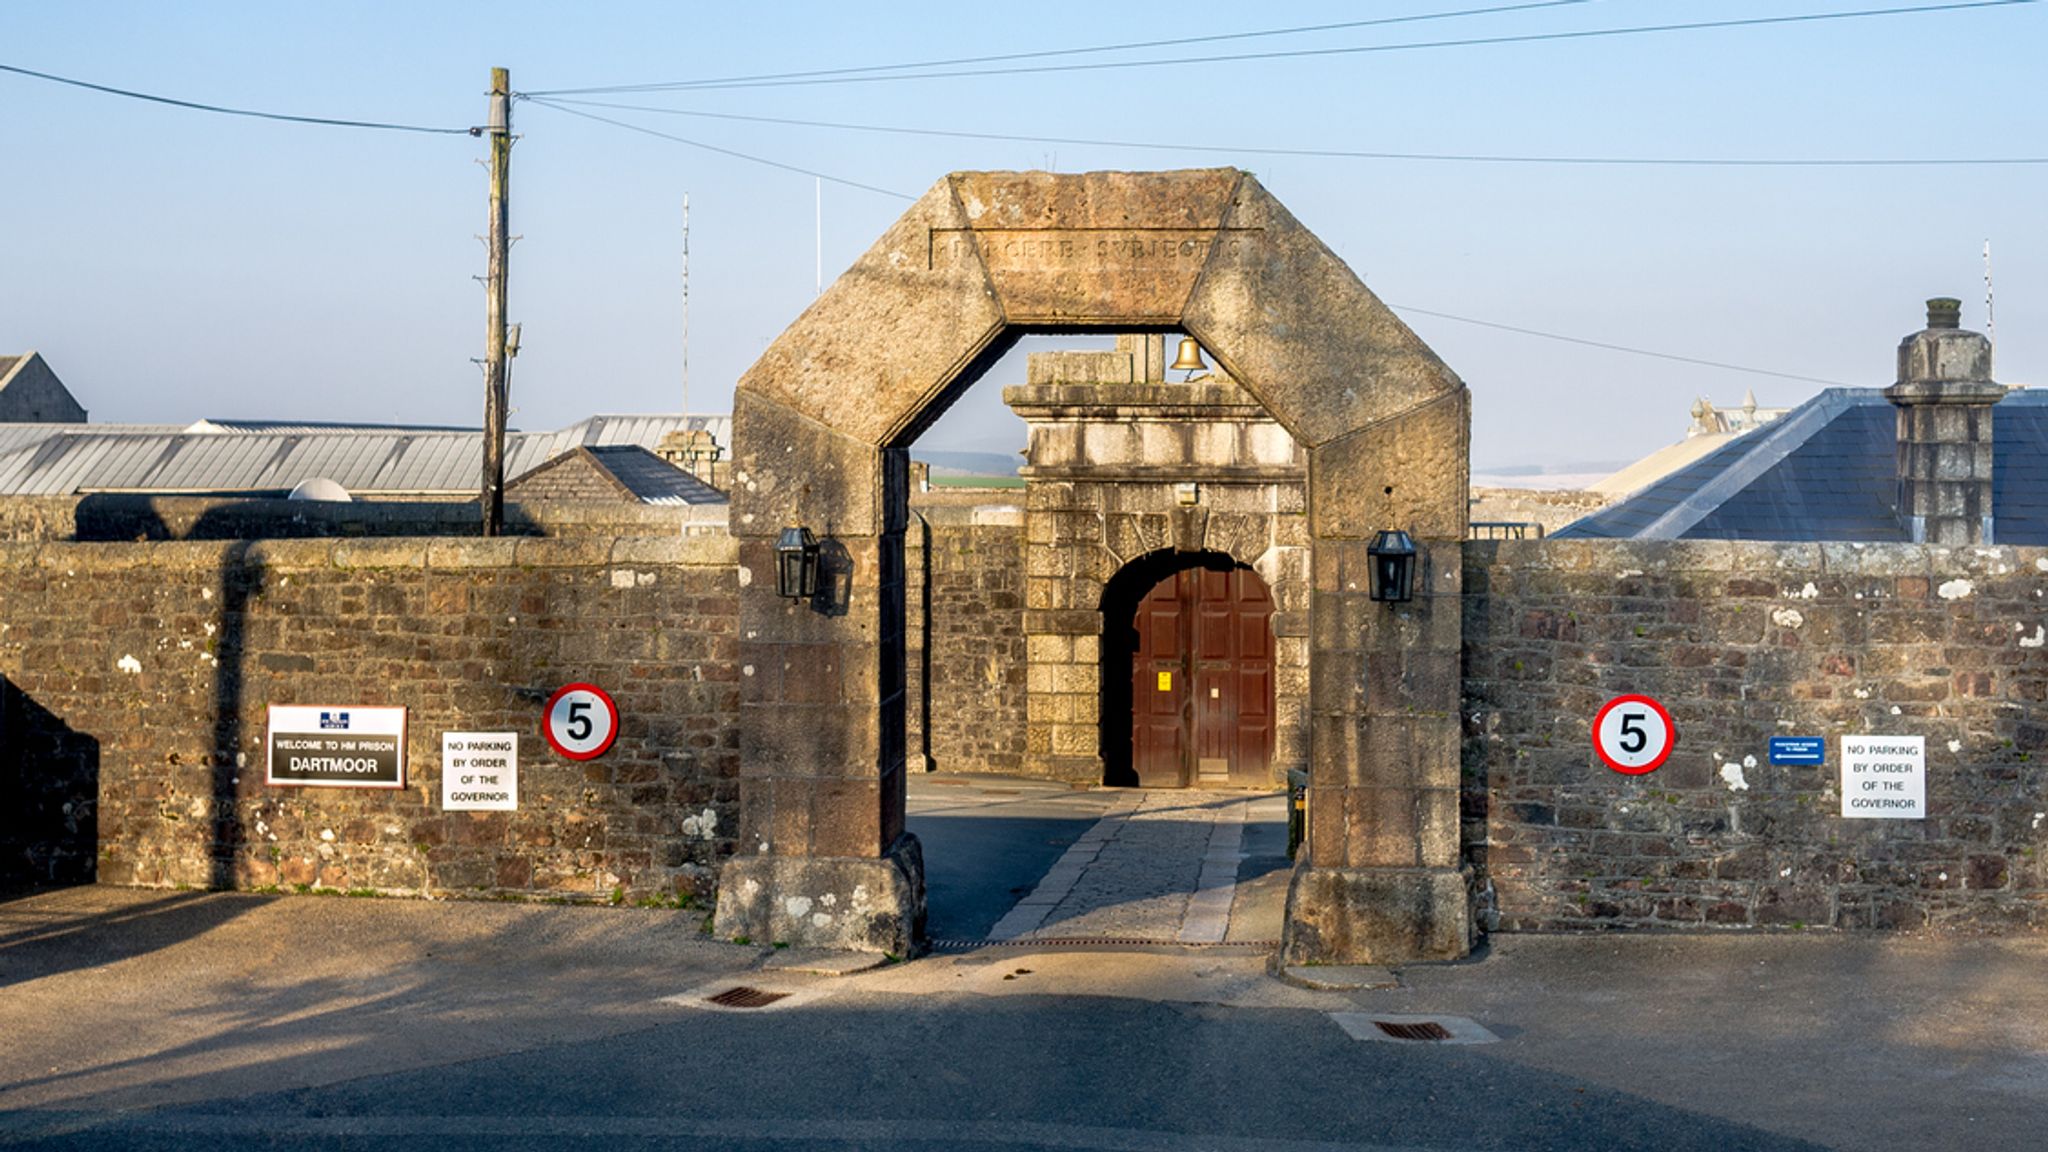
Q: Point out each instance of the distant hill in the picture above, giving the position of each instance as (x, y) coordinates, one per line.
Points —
(969, 463)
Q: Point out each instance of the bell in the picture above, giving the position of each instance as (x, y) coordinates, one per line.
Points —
(1190, 358)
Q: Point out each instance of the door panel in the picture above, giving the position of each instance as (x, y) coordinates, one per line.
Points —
(1202, 681)
(1159, 689)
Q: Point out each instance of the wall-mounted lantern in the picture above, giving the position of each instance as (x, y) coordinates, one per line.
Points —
(1393, 566)
(796, 563)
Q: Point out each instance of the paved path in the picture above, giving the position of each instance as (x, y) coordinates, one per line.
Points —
(1159, 866)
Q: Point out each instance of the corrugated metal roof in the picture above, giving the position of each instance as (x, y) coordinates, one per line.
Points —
(213, 424)
(274, 456)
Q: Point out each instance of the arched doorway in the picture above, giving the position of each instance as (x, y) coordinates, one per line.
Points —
(1188, 674)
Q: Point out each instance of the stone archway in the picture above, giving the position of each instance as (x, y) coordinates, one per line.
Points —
(821, 426)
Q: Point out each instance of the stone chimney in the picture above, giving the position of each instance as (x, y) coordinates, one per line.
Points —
(1945, 395)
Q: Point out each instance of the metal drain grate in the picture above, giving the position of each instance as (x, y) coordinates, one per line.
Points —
(1425, 1030)
(1050, 942)
(742, 996)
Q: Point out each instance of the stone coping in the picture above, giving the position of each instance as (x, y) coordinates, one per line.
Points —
(438, 553)
(1759, 558)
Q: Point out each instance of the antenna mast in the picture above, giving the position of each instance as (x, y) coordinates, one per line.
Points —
(1990, 321)
(818, 268)
(686, 303)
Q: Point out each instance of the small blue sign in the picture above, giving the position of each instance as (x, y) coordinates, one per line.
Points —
(1799, 750)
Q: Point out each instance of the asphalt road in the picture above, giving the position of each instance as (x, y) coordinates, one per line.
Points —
(210, 1022)
(1023, 1072)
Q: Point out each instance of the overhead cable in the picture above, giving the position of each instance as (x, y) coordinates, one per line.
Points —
(1299, 53)
(1405, 309)
(1127, 46)
(537, 101)
(249, 112)
(1401, 308)
(1332, 153)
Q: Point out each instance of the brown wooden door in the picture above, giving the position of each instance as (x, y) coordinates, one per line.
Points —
(1202, 681)
(1159, 688)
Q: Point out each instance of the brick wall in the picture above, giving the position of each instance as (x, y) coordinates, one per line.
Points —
(1743, 642)
(137, 677)
(974, 572)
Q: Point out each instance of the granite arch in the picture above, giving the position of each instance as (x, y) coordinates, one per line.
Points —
(822, 424)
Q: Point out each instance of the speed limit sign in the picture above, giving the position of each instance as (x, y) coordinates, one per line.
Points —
(1633, 734)
(581, 721)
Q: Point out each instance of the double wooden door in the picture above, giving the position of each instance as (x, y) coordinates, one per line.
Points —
(1202, 681)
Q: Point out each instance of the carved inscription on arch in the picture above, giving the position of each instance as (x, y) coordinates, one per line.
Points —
(1089, 276)
(1082, 249)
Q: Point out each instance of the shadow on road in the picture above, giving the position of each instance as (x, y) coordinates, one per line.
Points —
(34, 944)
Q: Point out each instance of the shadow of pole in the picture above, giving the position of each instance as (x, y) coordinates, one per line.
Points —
(240, 579)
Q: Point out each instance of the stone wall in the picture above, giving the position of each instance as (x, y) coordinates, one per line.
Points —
(1743, 642)
(134, 680)
(137, 678)
(1552, 508)
(967, 638)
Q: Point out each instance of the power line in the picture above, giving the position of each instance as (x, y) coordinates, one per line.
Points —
(1403, 308)
(253, 114)
(1397, 307)
(1300, 53)
(1128, 46)
(722, 151)
(1330, 153)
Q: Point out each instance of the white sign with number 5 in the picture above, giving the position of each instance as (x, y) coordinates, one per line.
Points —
(581, 721)
(1633, 734)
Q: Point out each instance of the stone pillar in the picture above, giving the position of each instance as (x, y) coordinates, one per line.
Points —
(823, 859)
(1382, 880)
(1945, 396)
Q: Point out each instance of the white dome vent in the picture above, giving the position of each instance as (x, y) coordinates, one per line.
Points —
(321, 488)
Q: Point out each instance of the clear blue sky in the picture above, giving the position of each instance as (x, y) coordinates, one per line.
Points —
(172, 264)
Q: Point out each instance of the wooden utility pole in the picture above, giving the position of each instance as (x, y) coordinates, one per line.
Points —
(494, 306)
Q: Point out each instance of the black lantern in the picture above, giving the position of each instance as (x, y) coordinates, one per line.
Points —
(796, 563)
(1393, 566)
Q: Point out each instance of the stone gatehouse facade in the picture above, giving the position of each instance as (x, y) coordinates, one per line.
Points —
(1128, 475)
(764, 741)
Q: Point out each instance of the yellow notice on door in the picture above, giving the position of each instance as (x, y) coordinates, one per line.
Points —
(1166, 681)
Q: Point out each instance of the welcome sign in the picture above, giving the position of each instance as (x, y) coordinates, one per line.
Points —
(336, 746)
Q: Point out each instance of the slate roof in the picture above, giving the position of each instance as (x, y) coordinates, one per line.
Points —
(613, 472)
(652, 479)
(1826, 471)
(251, 456)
